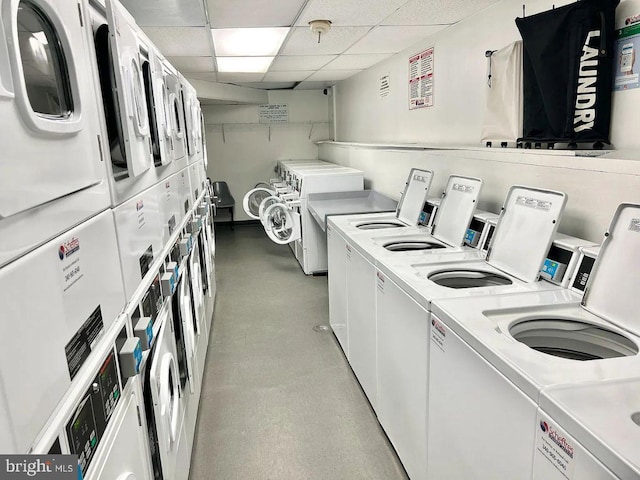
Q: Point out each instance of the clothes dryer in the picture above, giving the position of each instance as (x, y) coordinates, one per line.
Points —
(175, 110)
(53, 177)
(191, 113)
(169, 204)
(520, 344)
(140, 237)
(164, 406)
(198, 296)
(588, 439)
(75, 294)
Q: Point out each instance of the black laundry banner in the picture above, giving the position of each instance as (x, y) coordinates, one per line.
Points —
(567, 72)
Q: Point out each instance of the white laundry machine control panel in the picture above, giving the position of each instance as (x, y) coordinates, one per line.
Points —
(87, 425)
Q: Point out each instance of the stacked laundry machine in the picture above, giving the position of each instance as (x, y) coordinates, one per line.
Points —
(107, 268)
(474, 335)
(282, 206)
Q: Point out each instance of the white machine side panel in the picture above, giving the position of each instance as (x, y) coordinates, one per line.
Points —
(480, 424)
(361, 315)
(47, 297)
(402, 355)
(125, 450)
(139, 231)
(574, 462)
(314, 243)
(332, 183)
(337, 281)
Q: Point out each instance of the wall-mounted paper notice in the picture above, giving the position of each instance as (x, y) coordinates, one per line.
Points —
(421, 79)
(384, 85)
(273, 113)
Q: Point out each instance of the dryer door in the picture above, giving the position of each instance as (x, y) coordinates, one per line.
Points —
(49, 126)
(195, 272)
(176, 112)
(252, 200)
(188, 328)
(125, 50)
(282, 224)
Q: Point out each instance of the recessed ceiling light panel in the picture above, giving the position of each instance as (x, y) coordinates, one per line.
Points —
(248, 42)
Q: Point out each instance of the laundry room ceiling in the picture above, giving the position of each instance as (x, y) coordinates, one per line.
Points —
(269, 45)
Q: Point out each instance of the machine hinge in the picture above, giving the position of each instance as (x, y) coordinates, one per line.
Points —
(100, 147)
(139, 417)
(80, 15)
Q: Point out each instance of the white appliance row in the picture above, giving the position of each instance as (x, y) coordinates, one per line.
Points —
(131, 408)
(282, 206)
(443, 343)
(91, 115)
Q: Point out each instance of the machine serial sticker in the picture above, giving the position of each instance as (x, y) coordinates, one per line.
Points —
(534, 203)
(463, 188)
(635, 225)
(555, 447)
(438, 333)
(85, 339)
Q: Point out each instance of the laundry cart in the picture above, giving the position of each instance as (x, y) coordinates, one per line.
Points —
(307, 240)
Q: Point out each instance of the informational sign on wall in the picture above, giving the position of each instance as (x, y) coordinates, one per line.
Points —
(384, 85)
(624, 60)
(421, 79)
(277, 113)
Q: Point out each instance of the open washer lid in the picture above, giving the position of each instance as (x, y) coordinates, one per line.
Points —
(456, 209)
(252, 200)
(525, 230)
(414, 195)
(612, 289)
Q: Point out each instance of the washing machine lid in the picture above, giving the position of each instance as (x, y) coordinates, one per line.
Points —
(456, 209)
(525, 231)
(414, 195)
(612, 289)
(252, 200)
(281, 223)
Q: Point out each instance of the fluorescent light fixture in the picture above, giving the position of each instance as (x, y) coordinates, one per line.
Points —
(248, 42)
(244, 64)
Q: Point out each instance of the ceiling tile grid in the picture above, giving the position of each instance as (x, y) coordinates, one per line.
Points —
(353, 62)
(434, 12)
(181, 41)
(287, 76)
(350, 13)
(292, 63)
(332, 75)
(193, 64)
(387, 39)
(302, 42)
(253, 13)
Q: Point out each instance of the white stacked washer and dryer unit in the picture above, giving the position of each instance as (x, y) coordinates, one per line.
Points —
(435, 407)
(106, 243)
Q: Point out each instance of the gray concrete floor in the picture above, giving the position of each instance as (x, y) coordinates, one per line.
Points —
(279, 400)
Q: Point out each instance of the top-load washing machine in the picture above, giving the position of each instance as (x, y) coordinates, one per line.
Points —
(492, 356)
(53, 176)
(455, 213)
(58, 302)
(589, 431)
(405, 289)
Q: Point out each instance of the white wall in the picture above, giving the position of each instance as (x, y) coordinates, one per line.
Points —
(246, 156)
(595, 186)
(459, 85)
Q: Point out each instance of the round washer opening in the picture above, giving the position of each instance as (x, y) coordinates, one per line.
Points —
(409, 246)
(572, 339)
(468, 279)
(379, 225)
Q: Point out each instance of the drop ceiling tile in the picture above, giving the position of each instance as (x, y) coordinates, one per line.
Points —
(193, 64)
(293, 63)
(181, 41)
(272, 85)
(287, 76)
(313, 85)
(433, 12)
(349, 13)
(208, 76)
(167, 13)
(302, 42)
(351, 62)
(332, 75)
(239, 77)
(253, 13)
(392, 39)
